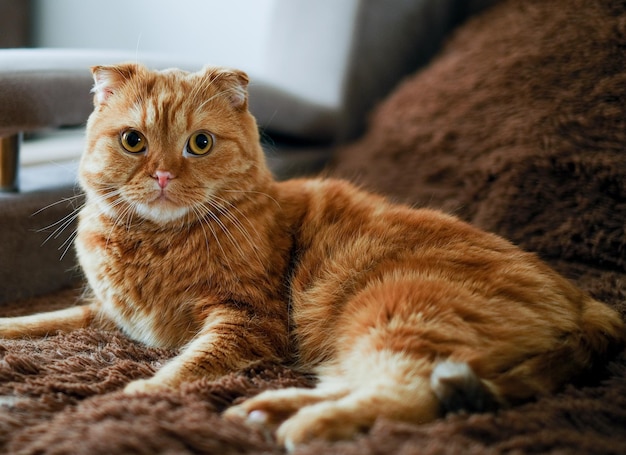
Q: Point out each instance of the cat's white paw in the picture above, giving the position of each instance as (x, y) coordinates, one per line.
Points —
(253, 417)
(273, 407)
(300, 415)
(141, 386)
(329, 421)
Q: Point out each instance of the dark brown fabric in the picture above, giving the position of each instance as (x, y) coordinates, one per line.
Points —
(519, 127)
(63, 395)
(15, 22)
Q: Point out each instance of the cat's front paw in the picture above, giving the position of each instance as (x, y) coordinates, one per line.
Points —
(146, 386)
(273, 407)
(301, 415)
(325, 421)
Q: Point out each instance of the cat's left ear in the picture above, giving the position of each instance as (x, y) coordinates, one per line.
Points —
(232, 83)
(108, 79)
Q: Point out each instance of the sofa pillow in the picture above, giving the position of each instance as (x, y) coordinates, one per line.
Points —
(518, 126)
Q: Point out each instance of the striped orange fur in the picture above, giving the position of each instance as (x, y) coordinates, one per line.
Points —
(188, 242)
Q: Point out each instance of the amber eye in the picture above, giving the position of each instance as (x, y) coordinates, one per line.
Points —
(199, 143)
(133, 141)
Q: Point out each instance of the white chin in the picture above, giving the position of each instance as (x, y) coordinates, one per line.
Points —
(160, 213)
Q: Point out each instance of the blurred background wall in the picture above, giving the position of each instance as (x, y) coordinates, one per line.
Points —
(216, 31)
(298, 45)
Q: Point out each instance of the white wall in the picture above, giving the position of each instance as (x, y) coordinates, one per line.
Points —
(221, 32)
(299, 45)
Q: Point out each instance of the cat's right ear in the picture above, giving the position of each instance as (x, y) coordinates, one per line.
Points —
(108, 79)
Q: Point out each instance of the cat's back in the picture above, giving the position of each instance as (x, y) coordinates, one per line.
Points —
(335, 222)
(349, 243)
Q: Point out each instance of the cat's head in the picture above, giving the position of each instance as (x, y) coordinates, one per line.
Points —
(166, 145)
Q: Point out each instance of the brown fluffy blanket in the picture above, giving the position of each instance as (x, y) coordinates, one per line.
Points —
(519, 126)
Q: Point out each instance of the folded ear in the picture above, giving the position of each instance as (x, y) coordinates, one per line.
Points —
(233, 84)
(108, 79)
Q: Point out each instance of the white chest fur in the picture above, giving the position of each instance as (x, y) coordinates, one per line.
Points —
(131, 287)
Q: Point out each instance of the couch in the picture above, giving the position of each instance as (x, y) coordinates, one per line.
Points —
(518, 125)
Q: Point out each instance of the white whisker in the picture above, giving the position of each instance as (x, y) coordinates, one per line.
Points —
(202, 212)
(238, 223)
(223, 227)
(68, 243)
(66, 221)
(63, 200)
(255, 192)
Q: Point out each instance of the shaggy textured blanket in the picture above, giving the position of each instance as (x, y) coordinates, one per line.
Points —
(518, 126)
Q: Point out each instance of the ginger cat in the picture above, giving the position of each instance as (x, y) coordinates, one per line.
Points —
(188, 242)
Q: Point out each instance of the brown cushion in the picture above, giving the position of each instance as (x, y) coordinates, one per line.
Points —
(518, 126)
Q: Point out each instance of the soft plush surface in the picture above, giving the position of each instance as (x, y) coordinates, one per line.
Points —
(63, 395)
(519, 126)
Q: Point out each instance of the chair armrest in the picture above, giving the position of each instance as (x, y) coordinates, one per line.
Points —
(49, 88)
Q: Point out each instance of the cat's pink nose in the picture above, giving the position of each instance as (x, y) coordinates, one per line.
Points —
(163, 177)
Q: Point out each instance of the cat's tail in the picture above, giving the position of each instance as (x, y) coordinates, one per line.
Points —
(603, 330)
(598, 334)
